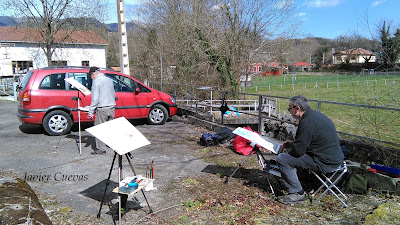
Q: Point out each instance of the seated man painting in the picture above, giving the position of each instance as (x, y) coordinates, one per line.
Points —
(316, 147)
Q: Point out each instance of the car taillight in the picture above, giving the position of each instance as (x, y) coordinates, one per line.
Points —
(26, 97)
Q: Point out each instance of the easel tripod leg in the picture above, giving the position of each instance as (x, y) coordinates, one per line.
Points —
(107, 183)
(237, 168)
(133, 170)
(262, 162)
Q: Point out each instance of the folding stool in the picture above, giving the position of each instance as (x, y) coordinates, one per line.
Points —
(329, 183)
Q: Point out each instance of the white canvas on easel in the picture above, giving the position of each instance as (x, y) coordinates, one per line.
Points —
(78, 86)
(120, 135)
(258, 139)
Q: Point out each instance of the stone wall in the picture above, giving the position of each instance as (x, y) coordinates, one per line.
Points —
(356, 150)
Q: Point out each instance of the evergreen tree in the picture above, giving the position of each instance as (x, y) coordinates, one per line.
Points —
(390, 46)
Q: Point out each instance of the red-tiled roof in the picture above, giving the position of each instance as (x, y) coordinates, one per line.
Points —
(354, 51)
(116, 68)
(301, 64)
(22, 34)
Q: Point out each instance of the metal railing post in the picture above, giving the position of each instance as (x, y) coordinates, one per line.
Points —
(211, 102)
(175, 91)
(191, 95)
(196, 101)
(259, 113)
(15, 91)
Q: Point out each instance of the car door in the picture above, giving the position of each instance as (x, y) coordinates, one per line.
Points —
(51, 91)
(130, 104)
(73, 93)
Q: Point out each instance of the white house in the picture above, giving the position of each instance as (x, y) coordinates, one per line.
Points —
(245, 81)
(20, 51)
(354, 55)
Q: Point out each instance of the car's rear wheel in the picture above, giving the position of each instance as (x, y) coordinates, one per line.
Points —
(158, 115)
(57, 123)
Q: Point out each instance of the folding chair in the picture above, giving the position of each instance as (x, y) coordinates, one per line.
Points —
(329, 182)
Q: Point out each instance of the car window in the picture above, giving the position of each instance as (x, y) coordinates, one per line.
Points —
(130, 82)
(143, 88)
(82, 78)
(26, 79)
(121, 83)
(53, 81)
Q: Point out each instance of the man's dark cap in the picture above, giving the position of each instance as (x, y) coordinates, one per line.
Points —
(93, 69)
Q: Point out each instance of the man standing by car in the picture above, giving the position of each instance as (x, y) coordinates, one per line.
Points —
(316, 147)
(103, 102)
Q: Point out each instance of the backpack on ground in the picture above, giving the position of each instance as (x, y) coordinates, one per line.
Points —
(355, 181)
(209, 139)
(225, 134)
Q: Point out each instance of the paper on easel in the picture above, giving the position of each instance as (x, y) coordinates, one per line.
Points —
(78, 85)
(120, 135)
(258, 139)
(85, 109)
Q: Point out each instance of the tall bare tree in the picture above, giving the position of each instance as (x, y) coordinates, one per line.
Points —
(49, 17)
(208, 39)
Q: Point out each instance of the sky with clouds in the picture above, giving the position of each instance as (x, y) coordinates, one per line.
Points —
(333, 18)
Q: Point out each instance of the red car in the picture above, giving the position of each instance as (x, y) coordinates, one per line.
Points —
(46, 98)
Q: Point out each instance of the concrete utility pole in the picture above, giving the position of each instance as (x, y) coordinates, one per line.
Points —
(123, 40)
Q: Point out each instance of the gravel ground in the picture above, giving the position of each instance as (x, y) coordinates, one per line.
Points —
(48, 162)
(189, 179)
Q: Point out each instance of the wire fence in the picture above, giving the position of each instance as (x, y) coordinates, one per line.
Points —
(378, 124)
(322, 80)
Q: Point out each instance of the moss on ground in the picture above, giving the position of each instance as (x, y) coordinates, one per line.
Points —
(19, 203)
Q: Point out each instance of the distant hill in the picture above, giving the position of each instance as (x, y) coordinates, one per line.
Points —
(8, 21)
(113, 27)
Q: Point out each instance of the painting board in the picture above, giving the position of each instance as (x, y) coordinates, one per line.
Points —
(78, 85)
(264, 142)
(120, 135)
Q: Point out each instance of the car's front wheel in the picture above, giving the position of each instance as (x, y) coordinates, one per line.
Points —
(158, 115)
(57, 123)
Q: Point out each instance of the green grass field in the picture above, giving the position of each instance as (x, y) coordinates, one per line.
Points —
(384, 91)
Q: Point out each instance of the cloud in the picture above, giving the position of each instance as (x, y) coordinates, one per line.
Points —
(322, 3)
(377, 2)
(281, 4)
(302, 16)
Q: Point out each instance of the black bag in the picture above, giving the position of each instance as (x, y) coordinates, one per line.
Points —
(209, 139)
(225, 134)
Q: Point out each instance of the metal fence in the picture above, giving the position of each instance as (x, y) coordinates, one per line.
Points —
(313, 80)
(8, 86)
(373, 123)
